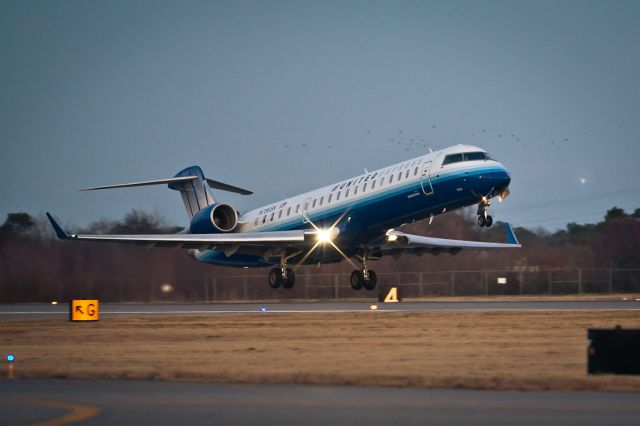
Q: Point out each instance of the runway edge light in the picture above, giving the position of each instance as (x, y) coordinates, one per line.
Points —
(10, 360)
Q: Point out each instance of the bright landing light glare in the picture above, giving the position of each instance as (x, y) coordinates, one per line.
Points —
(325, 235)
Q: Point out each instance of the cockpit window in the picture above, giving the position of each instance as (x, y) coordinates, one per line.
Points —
(452, 158)
(467, 156)
(474, 156)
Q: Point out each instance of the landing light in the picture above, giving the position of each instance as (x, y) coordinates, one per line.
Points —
(391, 238)
(325, 235)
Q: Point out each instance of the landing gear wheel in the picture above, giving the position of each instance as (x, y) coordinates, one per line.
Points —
(482, 221)
(357, 280)
(275, 278)
(489, 221)
(370, 284)
(290, 280)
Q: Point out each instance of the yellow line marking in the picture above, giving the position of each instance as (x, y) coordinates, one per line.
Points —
(78, 412)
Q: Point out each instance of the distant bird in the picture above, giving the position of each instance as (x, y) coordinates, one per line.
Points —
(433, 126)
(566, 139)
(287, 146)
(499, 135)
(304, 145)
(484, 130)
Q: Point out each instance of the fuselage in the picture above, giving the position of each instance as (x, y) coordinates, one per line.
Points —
(366, 206)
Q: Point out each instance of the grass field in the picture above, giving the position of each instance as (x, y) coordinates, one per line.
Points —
(484, 350)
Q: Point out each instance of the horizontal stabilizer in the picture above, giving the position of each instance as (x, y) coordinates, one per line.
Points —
(143, 183)
(226, 187)
(215, 184)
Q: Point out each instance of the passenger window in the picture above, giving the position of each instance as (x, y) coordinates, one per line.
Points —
(391, 179)
(256, 222)
(264, 218)
(406, 175)
(314, 204)
(289, 211)
(321, 200)
(415, 172)
(338, 196)
(272, 216)
(355, 190)
(381, 181)
(330, 196)
(364, 187)
(347, 193)
(297, 208)
(373, 185)
(280, 215)
(399, 175)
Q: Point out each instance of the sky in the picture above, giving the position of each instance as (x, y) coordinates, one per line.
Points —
(282, 97)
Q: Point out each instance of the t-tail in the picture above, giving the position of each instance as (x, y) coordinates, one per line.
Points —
(192, 185)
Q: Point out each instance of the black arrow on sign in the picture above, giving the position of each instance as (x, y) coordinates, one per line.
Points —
(79, 309)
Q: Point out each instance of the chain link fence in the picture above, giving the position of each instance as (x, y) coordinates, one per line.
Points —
(521, 281)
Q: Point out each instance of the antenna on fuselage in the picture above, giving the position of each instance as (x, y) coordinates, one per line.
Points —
(430, 150)
(366, 171)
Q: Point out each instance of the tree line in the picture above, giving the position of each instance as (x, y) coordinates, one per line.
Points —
(36, 267)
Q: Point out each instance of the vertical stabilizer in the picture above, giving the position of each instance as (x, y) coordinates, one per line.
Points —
(195, 194)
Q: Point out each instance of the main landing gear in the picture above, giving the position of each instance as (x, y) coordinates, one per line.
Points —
(282, 277)
(484, 219)
(363, 278)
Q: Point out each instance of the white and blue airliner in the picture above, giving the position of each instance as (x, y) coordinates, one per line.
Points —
(356, 218)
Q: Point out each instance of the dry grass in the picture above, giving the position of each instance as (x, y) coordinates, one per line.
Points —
(488, 350)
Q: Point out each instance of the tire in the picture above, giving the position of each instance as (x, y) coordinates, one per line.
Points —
(357, 280)
(482, 221)
(489, 221)
(370, 284)
(275, 278)
(290, 280)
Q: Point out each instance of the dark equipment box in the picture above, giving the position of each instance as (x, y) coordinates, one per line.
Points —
(613, 351)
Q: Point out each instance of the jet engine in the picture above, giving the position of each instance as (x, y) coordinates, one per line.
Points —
(214, 219)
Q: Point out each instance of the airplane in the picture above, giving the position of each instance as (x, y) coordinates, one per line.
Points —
(356, 218)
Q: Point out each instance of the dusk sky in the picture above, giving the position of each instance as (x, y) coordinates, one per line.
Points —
(282, 97)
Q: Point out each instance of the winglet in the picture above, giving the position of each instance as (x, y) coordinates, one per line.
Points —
(511, 236)
(60, 233)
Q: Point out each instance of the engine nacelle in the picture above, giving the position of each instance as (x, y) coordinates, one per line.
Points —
(214, 219)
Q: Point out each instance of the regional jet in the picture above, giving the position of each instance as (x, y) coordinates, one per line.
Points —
(354, 219)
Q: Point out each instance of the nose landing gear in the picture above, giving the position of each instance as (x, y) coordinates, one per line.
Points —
(484, 219)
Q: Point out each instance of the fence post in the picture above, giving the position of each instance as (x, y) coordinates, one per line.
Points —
(335, 286)
(579, 280)
(244, 285)
(453, 283)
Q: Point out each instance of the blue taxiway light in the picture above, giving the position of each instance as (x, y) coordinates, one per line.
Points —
(263, 309)
(10, 358)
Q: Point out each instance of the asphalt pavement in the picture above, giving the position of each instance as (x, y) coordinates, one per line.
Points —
(163, 403)
(37, 310)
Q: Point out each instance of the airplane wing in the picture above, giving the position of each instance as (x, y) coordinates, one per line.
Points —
(280, 238)
(397, 241)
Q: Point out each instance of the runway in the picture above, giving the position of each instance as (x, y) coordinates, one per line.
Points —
(38, 310)
(148, 402)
